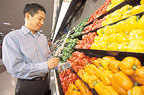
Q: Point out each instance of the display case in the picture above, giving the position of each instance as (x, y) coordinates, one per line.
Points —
(98, 62)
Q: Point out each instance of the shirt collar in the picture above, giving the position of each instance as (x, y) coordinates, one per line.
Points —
(26, 31)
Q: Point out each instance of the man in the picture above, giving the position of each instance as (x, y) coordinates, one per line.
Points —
(26, 54)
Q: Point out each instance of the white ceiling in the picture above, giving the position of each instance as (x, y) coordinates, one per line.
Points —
(11, 11)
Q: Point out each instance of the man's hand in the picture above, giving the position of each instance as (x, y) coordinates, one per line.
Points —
(53, 62)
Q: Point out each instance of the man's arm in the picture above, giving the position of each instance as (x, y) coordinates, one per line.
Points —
(15, 63)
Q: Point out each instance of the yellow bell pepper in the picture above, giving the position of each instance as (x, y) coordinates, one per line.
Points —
(92, 67)
(103, 45)
(110, 29)
(119, 26)
(141, 23)
(99, 71)
(81, 72)
(136, 46)
(123, 46)
(97, 39)
(114, 65)
(142, 87)
(125, 9)
(78, 83)
(95, 46)
(83, 89)
(113, 46)
(137, 90)
(113, 3)
(72, 87)
(102, 89)
(100, 32)
(123, 80)
(75, 92)
(97, 62)
(104, 38)
(116, 86)
(116, 16)
(109, 91)
(142, 2)
(129, 64)
(104, 23)
(92, 81)
(138, 79)
(118, 37)
(136, 35)
(89, 70)
(86, 77)
(130, 24)
(140, 72)
(72, 90)
(105, 77)
(135, 10)
(106, 61)
(99, 87)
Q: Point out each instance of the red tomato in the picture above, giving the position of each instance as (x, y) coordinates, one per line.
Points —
(86, 28)
(81, 63)
(76, 60)
(92, 59)
(86, 60)
(87, 57)
(71, 81)
(62, 75)
(88, 42)
(84, 37)
(70, 75)
(68, 72)
(85, 46)
(94, 27)
(81, 55)
(74, 53)
(73, 58)
(65, 79)
(75, 68)
(80, 42)
(93, 35)
(89, 45)
(74, 76)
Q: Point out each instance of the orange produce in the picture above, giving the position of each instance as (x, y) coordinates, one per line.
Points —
(114, 66)
(129, 64)
(138, 79)
(117, 87)
(140, 72)
(123, 80)
(137, 90)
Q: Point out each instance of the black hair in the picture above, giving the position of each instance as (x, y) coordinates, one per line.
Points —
(33, 9)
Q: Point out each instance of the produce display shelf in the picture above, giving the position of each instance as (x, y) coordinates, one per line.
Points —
(120, 5)
(95, 30)
(119, 55)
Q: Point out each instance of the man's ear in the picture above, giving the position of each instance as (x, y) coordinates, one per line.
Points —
(27, 16)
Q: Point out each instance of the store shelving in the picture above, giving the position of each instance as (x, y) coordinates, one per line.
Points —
(119, 55)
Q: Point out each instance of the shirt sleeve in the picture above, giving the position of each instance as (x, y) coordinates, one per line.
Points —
(15, 64)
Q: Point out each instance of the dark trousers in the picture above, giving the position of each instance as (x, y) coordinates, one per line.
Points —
(32, 87)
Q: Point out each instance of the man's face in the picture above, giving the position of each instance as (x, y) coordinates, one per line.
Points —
(36, 21)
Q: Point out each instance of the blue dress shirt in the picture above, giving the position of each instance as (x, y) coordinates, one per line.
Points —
(24, 55)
